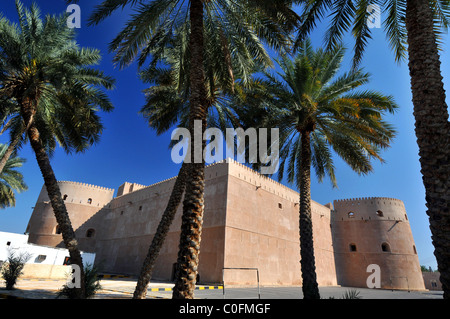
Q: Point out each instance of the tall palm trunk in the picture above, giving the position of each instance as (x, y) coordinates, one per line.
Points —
(432, 128)
(193, 204)
(161, 234)
(54, 194)
(307, 261)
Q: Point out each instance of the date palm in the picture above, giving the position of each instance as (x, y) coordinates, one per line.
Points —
(152, 26)
(53, 95)
(167, 104)
(10, 179)
(318, 112)
(413, 28)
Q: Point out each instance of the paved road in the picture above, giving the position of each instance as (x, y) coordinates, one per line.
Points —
(270, 292)
(124, 288)
(296, 293)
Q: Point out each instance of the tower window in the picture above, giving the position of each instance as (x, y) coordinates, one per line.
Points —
(90, 233)
(379, 213)
(385, 247)
(280, 206)
(352, 247)
(65, 197)
(351, 215)
(89, 201)
(414, 249)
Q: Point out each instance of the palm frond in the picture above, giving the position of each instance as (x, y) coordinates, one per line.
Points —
(309, 97)
(11, 180)
(395, 28)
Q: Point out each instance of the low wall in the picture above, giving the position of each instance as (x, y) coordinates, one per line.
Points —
(43, 271)
(432, 281)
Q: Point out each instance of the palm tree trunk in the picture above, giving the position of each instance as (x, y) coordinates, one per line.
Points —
(307, 261)
(54, 194)
(432, 129)
(161, 234)
(193, 204)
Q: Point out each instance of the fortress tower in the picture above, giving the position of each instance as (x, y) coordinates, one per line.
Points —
(82, 202)
(376, 231)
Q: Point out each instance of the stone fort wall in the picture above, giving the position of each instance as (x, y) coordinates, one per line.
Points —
(250, 221)
(262, 231)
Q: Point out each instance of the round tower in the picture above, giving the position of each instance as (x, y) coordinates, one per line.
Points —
(372, 237)
(82, 202)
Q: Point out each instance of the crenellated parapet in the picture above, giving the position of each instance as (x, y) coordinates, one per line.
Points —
(361, 199)
(369, 208)
(85, 185)
(261, 181)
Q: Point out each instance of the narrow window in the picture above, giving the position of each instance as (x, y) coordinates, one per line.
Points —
(406, 217)
(352, 247)
(351, 215)
(140, 207)
(379, 213)
(385, 247)
(8, 243)
(89, 200)
(90, 233)
(414, 249)
(65, 197)
(280, 206)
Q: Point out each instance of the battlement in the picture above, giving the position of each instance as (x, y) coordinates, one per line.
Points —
(360, 199)
(369, 208)
(87, 185)
(266, 180)
(138, 187)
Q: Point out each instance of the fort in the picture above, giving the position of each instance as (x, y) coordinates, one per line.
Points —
(250, 221)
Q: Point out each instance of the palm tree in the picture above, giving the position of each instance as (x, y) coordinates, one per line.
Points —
(167, 104)
(54, 96)
(152, 27)
(316, 112)
(10, 179)
(413, 28)
(6, 107)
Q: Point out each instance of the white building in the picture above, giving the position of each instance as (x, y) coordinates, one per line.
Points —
(43, 261)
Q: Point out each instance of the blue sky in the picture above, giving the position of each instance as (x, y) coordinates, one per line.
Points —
(130, 151)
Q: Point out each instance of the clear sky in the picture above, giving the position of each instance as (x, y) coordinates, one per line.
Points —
(130, 151)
